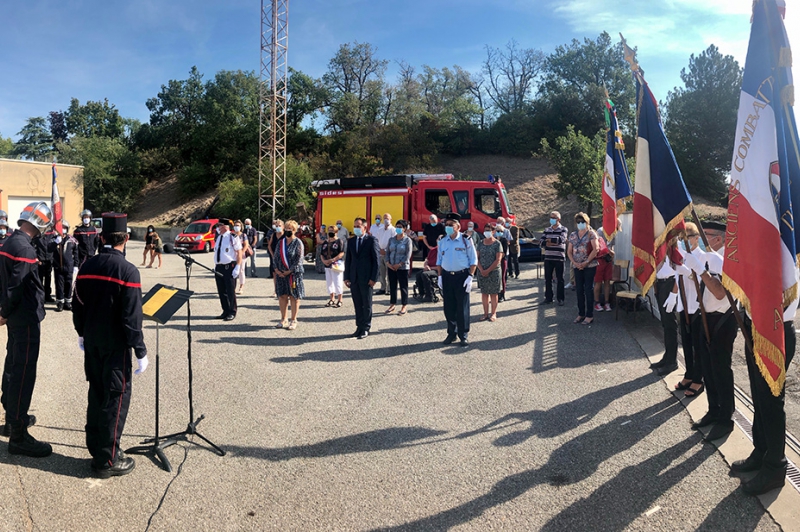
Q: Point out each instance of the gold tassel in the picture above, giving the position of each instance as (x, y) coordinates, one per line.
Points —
(785, 58)
(787, 95)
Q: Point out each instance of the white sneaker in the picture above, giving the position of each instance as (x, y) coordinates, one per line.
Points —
(608, 307)
(598, 307)
(568, 286)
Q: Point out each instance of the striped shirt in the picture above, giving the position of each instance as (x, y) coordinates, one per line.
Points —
(555, 243)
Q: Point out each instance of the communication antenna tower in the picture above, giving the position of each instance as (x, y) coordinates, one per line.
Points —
(272, 111)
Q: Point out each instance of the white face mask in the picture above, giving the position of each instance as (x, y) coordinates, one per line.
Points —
(86, 221)
(487, 234)
(237, 228)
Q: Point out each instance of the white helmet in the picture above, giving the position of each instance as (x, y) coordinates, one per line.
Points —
(65, 225)
(3, 215)
(37, 214)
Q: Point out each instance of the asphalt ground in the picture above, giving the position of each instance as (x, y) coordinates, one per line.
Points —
(539, 424)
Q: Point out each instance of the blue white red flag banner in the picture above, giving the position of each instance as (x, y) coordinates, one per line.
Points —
(616, 181)
(55, 203)
(760, 266)
(660, 200)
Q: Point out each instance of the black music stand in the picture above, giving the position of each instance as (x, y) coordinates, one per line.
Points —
(159, 305)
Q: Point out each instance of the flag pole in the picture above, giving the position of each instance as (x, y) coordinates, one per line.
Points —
(731, 301)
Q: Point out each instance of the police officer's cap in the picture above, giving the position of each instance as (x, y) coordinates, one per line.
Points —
(115, 222)
(714, 225)
(453, 216)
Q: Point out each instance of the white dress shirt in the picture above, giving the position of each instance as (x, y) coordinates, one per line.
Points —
(714, 261)
(227, 248)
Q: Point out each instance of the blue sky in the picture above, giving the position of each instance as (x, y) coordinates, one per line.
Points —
(125, 50)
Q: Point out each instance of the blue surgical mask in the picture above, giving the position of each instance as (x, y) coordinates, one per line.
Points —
(701, 244)
(500, 233)
(398, 230)
(581, 226)
(339, 226)
(377, 221)
(553, 221)
(3, 232)
(357, 231)
(279, 229)
(433, 224)
(508, 224)
(449, 230)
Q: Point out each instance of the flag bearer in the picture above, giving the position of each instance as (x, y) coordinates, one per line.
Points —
(65, 265)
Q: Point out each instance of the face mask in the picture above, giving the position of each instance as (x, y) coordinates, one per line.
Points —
(331, 235)
(433, 224)
(500, 233)
(237, 228)
(553, 221)
(357, 231)
(279, 229)
(86, 221)
(581, 226)
(339, 226)
(487, 234)
(65, 232)
(701, 244)
(470, 227)
(288, 234)
(398, 230)
(248, 227)
(508, 224)
(377, 221)
(387, 223)
(149, 230)
(3, 232)
(449, 229)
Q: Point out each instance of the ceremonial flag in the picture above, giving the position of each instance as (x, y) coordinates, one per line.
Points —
(616, 182)
(660, 199)
(55, 203)
(760, 266)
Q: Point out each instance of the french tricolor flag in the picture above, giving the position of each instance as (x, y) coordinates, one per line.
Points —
(55, 202)
(660, 199)
(760, 266)
(616, 182)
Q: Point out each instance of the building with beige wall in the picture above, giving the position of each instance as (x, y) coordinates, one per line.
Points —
(22, 182)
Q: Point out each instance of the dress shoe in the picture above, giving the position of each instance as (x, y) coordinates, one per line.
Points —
(765, 481)
(719, 430)
(67, 305)
(656, 365)
(705, 421)
(363, 335)
(666, 370)
(464, 342)
(355, 334)
(748, 465)
(221, 316)
(450, 339)
(20, 442)
(59, 306)
(229, 317)
(122, 466)
(5, 428)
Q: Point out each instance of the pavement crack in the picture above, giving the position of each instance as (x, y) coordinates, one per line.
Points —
(28, 517)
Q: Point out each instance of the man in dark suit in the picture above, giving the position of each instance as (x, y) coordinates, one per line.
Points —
(360, 274)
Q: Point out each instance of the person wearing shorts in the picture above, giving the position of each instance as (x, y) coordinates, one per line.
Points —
(605, 269)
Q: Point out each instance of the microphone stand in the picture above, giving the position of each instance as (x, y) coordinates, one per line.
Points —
(191, 428)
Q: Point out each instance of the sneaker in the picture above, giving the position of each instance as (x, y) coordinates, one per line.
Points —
(568, 286)
(598, 307)
(607, 307)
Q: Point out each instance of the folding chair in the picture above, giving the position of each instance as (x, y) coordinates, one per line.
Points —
(621, 287)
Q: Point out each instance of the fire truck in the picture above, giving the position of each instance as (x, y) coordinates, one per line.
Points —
(412, 197)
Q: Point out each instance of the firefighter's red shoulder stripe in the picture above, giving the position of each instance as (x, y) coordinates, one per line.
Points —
(109, 279)
(20, 259)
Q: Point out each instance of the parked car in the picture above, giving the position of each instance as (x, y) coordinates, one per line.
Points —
(530, 249)
(198, 236)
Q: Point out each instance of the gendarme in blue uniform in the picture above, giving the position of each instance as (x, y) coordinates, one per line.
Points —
(456, 254)
(456, 258)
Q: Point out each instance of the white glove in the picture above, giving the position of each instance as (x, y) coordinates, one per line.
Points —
(694, 264)
(80, 343)
(143, 362)
(58, 240)
(672, 300)
(683, 270)
(468, 284)
(439, 282)
(236, 271)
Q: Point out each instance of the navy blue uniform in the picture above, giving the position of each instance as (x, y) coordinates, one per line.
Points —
(45, 245)
(88, 241)
(107, 313)
(22, 304)
(65, 260)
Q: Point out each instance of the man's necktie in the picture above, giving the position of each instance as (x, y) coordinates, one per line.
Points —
(358, 245)
(219, 247)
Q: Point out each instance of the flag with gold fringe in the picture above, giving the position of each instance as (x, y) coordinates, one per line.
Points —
(616, 181)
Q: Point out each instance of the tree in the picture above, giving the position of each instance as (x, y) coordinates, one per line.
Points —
(700, 121)
(355, 85)
(58, 126)
(93, 119)
(575, 78)
(35, 141)
(306, 96)
(6, 147)
(511, 74)
(578, 160)
(175, 113)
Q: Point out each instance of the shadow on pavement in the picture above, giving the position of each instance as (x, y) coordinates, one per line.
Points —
(58, 464)
(576, 460)
(737, 510)
(375, 440)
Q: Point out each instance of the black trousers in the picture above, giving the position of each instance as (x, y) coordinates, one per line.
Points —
(584, 288)
(226, 288)
(45, 273)
(109, 376)
(398, 277)
(426, 280)
(63, 284)
(19, 372)
(769, 420)
(551, 266)
(669, 321)
(456, 303)
(715, 360)
(513, 264)
(694, 371)
(362, 302)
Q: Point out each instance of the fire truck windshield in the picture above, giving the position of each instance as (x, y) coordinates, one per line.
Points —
(505, 201)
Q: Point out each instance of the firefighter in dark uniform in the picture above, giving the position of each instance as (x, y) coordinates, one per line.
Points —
(65, 264)
(107, 314)
(22, 311)
(87, 237)
(3, 230)
(45, 247)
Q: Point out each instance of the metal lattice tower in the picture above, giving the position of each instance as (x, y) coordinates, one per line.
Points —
(272, 111)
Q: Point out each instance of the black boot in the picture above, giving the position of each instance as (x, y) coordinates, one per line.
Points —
(59, 306)
(5, 428)
(122, 466)
(67, 305)
(751, 463)
(23, 443)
